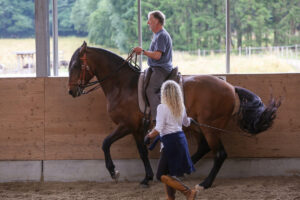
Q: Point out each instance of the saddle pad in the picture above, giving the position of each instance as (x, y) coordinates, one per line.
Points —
(142, 94)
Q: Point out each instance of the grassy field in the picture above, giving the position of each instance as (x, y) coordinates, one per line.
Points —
(188, 64)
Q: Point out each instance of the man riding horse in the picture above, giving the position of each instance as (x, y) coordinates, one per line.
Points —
(214, 106)
(159, 58)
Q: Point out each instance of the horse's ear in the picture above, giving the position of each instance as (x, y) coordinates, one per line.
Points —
(83, 48)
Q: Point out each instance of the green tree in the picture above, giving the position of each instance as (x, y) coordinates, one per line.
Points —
(122, 22)
(99, 26)
(284, 21)
(192, 24)
(113, 24)
(249, 22)
(290, 19)
(17, 18)
(65, 26)
(80, 14)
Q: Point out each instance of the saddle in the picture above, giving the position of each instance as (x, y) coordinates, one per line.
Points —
(144, 82)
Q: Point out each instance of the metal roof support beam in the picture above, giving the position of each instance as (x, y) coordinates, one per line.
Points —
(140, 30)
(42, 38)
(228, 36)
(55, 37)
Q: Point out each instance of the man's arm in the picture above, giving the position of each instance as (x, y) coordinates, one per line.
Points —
(155, 55)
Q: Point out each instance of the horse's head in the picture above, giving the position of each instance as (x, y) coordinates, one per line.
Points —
(79, 72)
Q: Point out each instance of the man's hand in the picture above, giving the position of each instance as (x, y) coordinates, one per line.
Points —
(138, 50)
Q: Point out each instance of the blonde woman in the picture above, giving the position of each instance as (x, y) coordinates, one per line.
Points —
(175, 158)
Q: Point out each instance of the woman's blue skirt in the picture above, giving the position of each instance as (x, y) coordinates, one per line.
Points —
(177, 153)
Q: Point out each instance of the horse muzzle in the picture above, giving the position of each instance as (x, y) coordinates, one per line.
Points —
(75, 92)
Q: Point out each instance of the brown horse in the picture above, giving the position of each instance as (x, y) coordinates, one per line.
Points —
(208, 100)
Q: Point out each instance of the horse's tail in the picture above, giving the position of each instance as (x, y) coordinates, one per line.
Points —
(253, 116)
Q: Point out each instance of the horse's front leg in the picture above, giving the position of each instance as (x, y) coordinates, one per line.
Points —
(143, 151)
(118, 133)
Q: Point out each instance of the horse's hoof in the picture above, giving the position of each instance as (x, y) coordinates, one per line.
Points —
(144, 185)
(116, 176)
(199, 188)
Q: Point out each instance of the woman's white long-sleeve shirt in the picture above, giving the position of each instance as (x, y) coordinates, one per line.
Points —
(166, 123)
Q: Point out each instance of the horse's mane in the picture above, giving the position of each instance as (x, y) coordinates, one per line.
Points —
(114, 58)
(118, 60)
(110, 54)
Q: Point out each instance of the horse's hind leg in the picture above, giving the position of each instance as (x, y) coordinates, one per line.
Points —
(144, 156)
(202, 149)
(220, 155)
(219, 158)
(118, 133)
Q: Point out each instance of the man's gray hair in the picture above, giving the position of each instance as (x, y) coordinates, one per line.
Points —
(158, 15)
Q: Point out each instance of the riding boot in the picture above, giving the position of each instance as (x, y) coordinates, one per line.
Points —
(178, 185)
(170, 192)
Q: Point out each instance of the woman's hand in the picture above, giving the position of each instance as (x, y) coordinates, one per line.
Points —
(150, 135)
(153, 134)
(147, 140)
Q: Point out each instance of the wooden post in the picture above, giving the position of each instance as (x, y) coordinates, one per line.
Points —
(249, 51)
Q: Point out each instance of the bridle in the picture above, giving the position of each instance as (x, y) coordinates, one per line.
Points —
(81, 81)
(85, 68)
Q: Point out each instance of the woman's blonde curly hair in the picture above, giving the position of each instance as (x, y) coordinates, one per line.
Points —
(171, 95)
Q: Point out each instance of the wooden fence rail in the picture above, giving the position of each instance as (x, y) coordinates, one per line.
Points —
(40, 121)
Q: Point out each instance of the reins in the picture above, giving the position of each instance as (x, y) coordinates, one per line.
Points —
(219, 129)
(85, 68)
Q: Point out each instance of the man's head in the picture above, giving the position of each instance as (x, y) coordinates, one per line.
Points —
(156, 20)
